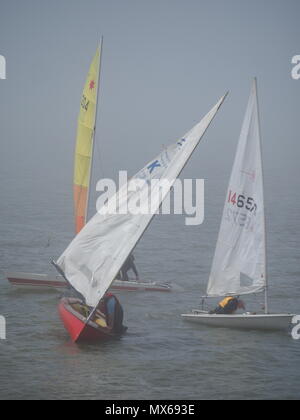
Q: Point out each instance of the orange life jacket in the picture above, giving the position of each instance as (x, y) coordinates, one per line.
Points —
(225, 301)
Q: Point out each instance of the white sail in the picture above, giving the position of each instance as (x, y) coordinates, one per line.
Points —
(95, 256)
(239, 265)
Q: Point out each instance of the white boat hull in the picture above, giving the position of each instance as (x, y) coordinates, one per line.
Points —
(44, 281)
(243, 321)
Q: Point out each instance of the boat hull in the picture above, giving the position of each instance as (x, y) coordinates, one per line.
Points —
(77, 326)
(271, 322)
(44, 281)
(36, 281)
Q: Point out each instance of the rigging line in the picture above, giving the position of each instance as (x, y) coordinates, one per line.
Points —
(97, 116)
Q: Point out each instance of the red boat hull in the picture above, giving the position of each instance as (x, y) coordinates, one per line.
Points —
(77, 325)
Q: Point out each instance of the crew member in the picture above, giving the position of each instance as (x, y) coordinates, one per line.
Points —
(113, 312)
(129, 265)
(229, 306)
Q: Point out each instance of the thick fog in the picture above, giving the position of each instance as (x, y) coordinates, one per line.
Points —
(164, 65)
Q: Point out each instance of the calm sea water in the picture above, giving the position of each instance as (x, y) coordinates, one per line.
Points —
(161, 356)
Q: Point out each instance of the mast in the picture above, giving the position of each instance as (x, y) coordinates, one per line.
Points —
(264, 207)
(94, 134)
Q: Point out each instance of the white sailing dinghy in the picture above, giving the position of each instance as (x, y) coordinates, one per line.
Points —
(82, 184)
(94, 258)
(240, 262)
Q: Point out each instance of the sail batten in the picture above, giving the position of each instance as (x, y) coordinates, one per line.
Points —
(95, 256)
(241, 247)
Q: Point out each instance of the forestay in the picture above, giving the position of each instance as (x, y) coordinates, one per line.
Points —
(239, 265)
(95, 256)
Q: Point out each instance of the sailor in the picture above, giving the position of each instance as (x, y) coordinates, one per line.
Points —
(113, 312)
(228, 306)
(129, 265)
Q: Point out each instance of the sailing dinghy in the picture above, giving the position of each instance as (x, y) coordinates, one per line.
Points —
(96, 255)
(83, 164)
(44, 281)
(240, 262)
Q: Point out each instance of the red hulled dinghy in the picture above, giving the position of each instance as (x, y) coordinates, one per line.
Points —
(76, 323)
(75, 317)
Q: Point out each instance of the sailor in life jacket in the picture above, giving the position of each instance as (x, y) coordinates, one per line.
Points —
(228, 306)
(113, 312)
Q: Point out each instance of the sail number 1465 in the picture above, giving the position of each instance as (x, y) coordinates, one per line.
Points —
(242, 201)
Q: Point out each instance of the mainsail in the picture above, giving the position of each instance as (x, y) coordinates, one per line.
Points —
(95, 256)
(85, 142)
(239, 265)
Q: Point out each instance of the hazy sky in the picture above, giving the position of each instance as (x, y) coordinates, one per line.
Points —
(165, 64)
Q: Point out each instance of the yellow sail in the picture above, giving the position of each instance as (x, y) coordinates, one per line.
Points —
(85, 142)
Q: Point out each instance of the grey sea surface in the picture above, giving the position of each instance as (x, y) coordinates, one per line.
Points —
(161, 356)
